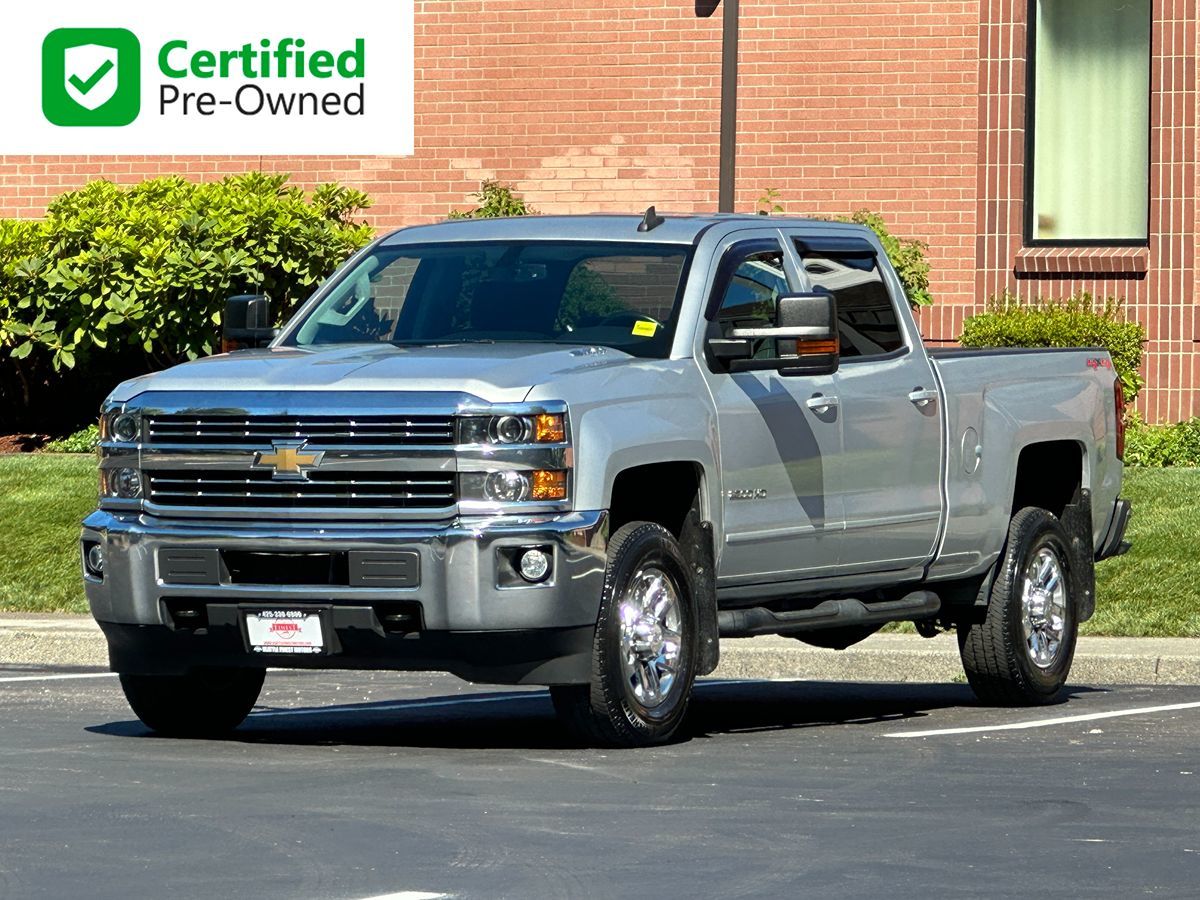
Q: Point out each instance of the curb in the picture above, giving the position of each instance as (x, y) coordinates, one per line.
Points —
(77, 641)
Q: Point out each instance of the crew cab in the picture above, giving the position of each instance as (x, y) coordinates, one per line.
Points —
(579, 451)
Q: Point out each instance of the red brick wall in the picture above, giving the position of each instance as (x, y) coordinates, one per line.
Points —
(844, 104)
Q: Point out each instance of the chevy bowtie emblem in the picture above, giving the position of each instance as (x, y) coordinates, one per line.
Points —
(289, 460)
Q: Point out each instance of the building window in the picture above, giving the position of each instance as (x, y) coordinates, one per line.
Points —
(1089, 131)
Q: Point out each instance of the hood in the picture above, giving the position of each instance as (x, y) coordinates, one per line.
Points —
(497, 373)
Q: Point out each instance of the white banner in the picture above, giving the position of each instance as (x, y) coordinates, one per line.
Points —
(224, 77)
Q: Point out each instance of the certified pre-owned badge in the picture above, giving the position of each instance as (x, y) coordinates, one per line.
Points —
(289, 460)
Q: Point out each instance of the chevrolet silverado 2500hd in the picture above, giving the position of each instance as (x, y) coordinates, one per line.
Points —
(577, 452)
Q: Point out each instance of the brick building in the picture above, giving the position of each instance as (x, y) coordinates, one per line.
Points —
(919, 109)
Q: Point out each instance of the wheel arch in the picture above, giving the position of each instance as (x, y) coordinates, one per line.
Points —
(1054, 476)
(1049, 474)
(675, 495)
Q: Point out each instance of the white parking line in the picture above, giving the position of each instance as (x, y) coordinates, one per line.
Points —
(1045, 723)
(58, 677)
(409, 895)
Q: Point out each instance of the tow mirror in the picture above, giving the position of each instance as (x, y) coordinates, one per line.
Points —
(805, 335)
(246, 323)
(808, 344)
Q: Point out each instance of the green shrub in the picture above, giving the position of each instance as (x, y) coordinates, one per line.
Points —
(1079, 321)
(152, 264)
(83, 441)
(495, 200)
(1161, 446)
(770, 202)
(146, 269)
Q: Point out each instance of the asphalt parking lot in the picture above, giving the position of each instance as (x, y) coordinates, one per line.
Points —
(356, 785)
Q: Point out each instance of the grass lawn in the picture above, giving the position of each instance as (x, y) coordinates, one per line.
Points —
(1152, 591)
(43, 498)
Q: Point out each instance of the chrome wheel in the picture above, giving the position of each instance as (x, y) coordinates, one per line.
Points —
(651, 641)
(1044, 607)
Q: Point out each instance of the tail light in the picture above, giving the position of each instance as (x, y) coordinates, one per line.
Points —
(1119, 405)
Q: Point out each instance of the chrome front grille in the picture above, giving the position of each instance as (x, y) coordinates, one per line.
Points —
(324, 431)
(332, 490)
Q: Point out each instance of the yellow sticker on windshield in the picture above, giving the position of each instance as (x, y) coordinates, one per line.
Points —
(645, 329)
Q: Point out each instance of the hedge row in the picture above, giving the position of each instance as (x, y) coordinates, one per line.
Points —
(121, 280)
(1078, 321)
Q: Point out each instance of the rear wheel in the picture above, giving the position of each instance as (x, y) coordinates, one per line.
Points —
(644, 654)
(1021, 653)
(202, 703)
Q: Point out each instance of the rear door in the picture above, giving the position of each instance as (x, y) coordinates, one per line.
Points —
(777, 446)
(889, 477)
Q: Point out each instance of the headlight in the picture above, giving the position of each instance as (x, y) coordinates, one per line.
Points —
(513, 486)
(124, 483)
(547, 428)
(506, 487)
(123, 427)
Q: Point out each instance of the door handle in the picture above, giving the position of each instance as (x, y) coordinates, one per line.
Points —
(921, 397)
(819, 403)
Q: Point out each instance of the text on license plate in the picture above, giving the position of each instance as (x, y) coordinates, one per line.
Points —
(285, 631)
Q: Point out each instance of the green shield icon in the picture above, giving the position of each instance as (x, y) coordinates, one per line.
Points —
(91, 76)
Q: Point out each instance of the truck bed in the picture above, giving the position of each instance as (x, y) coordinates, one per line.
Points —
(998, 400)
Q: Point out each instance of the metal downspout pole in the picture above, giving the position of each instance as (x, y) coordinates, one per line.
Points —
(729, 74)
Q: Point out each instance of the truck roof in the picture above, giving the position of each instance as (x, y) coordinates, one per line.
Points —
(674, 229)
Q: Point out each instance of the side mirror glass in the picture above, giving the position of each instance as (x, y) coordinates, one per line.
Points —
(246, 322)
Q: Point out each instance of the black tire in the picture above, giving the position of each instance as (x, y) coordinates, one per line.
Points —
(607, 711)
(202, 703)
(996, 654)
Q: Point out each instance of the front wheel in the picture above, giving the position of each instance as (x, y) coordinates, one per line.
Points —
(202, 703)
(644, 653)
(1021, 653)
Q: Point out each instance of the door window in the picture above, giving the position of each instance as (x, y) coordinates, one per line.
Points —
(754, 278)
(867, 322)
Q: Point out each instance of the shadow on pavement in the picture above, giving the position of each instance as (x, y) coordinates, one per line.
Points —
(525, 719)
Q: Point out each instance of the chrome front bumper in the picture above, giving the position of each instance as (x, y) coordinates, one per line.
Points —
(460, 589)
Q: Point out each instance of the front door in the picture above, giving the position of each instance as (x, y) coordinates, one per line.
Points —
(778, 442)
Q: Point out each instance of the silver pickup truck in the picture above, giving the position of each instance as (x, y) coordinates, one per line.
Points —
(577, 452)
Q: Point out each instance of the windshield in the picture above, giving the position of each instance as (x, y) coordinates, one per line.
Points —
(564, 292)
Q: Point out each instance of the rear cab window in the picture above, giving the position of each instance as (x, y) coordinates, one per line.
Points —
(868, 324)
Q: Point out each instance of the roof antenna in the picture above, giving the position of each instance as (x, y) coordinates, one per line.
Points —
(650, 220)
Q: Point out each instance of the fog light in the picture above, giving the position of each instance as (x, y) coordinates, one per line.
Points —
(506, 487)
(535, 565)
(125, 428)
(126, 483)
(94, 560)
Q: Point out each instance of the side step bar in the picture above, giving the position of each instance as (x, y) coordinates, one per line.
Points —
(829, 614)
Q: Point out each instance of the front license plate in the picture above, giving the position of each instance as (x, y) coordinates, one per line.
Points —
(285, 631)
